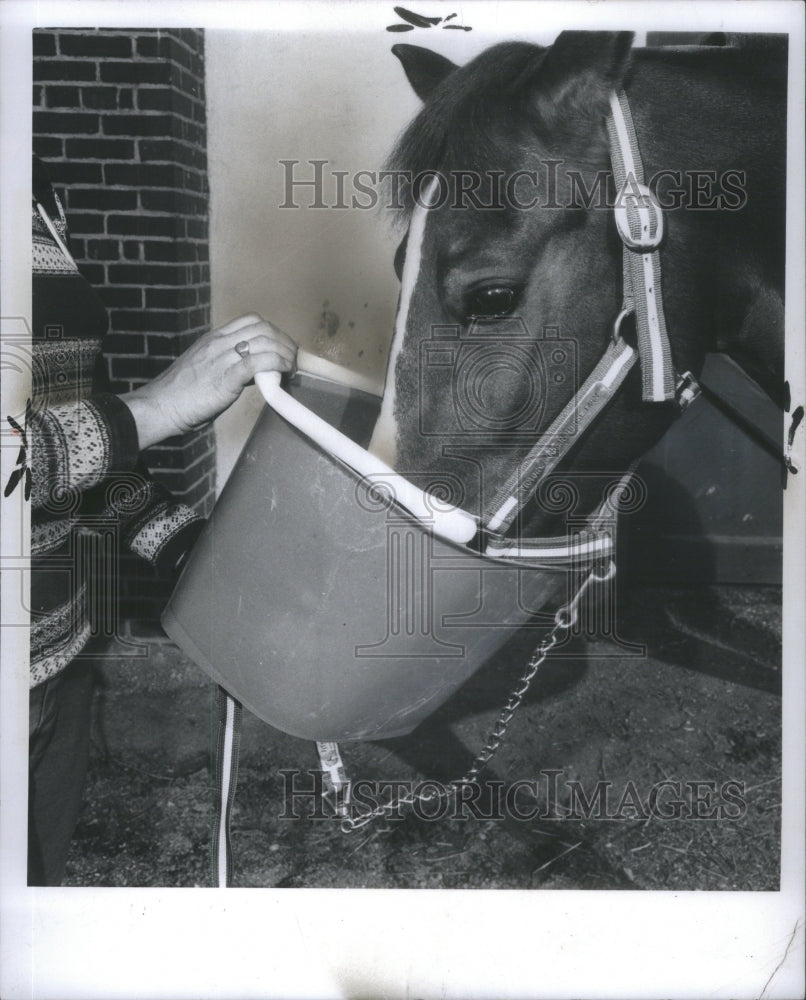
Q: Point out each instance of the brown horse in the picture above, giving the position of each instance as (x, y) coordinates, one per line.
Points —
(511, 267)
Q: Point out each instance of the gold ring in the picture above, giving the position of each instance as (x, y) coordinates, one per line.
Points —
(242, 347)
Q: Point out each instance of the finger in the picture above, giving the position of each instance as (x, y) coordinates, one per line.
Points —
(264, 343)
(260, 347)
(263, 332)
(265, 361)
(260, 327)
(249, 319)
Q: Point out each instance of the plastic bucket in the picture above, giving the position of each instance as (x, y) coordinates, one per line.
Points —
(328, 611)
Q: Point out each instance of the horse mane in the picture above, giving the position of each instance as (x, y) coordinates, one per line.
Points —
(479, 108)
(462, 123)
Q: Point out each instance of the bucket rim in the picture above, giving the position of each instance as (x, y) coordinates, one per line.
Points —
(449, 522)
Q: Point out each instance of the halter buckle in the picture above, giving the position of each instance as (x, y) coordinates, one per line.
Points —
(686, 390)
(636, 203)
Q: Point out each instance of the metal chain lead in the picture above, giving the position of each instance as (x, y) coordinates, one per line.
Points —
(564, 620)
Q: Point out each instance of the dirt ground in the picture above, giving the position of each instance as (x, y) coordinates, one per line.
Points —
(701, 708)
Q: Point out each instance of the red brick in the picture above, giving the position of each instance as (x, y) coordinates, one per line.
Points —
(48, 147)
(145, 225)
(66, 122)
(141, 175)
(61, 97)
(76, 172)
(86, 222)
(136, 72)
(45, 70)
(171, 298)
(152, 45)
(123, 343)
(103, 250)
(155, 99)
(100, 149)
(121, 298)
(144, 320)
(44, 43)
(173, 251)
(158, 150)
(148, 274)
(137, 125)
(101, 199)
(91, 43)
(181, 202)
(101, 98)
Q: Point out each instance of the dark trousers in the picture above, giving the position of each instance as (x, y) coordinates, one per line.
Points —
(58, 746)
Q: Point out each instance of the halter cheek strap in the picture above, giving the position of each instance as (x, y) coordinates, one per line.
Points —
(578, 414)
(639, 220)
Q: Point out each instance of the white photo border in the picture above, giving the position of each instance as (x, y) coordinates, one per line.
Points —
(105, 943)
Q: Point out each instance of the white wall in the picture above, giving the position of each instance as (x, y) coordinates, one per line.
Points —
(310, 94)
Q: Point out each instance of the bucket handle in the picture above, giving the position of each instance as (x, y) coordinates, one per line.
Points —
(449, 522)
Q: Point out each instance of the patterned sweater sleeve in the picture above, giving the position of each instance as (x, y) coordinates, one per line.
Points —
(76, 446)
(89, 448)
(153, 525)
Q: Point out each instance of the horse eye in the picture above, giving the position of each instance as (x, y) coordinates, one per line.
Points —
(490, 302)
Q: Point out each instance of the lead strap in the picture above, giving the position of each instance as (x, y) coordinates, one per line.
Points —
(335, 783)
(228, 746)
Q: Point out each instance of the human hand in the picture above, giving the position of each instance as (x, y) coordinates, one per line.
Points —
(208, 378)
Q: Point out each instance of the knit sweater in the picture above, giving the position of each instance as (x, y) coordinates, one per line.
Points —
(84, 458)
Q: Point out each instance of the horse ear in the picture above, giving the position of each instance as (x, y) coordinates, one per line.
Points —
(424, 69)
(579, 70)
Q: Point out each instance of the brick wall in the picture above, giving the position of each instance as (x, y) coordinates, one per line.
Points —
(119, 117)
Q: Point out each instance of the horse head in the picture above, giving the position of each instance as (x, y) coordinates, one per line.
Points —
(511, 267)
